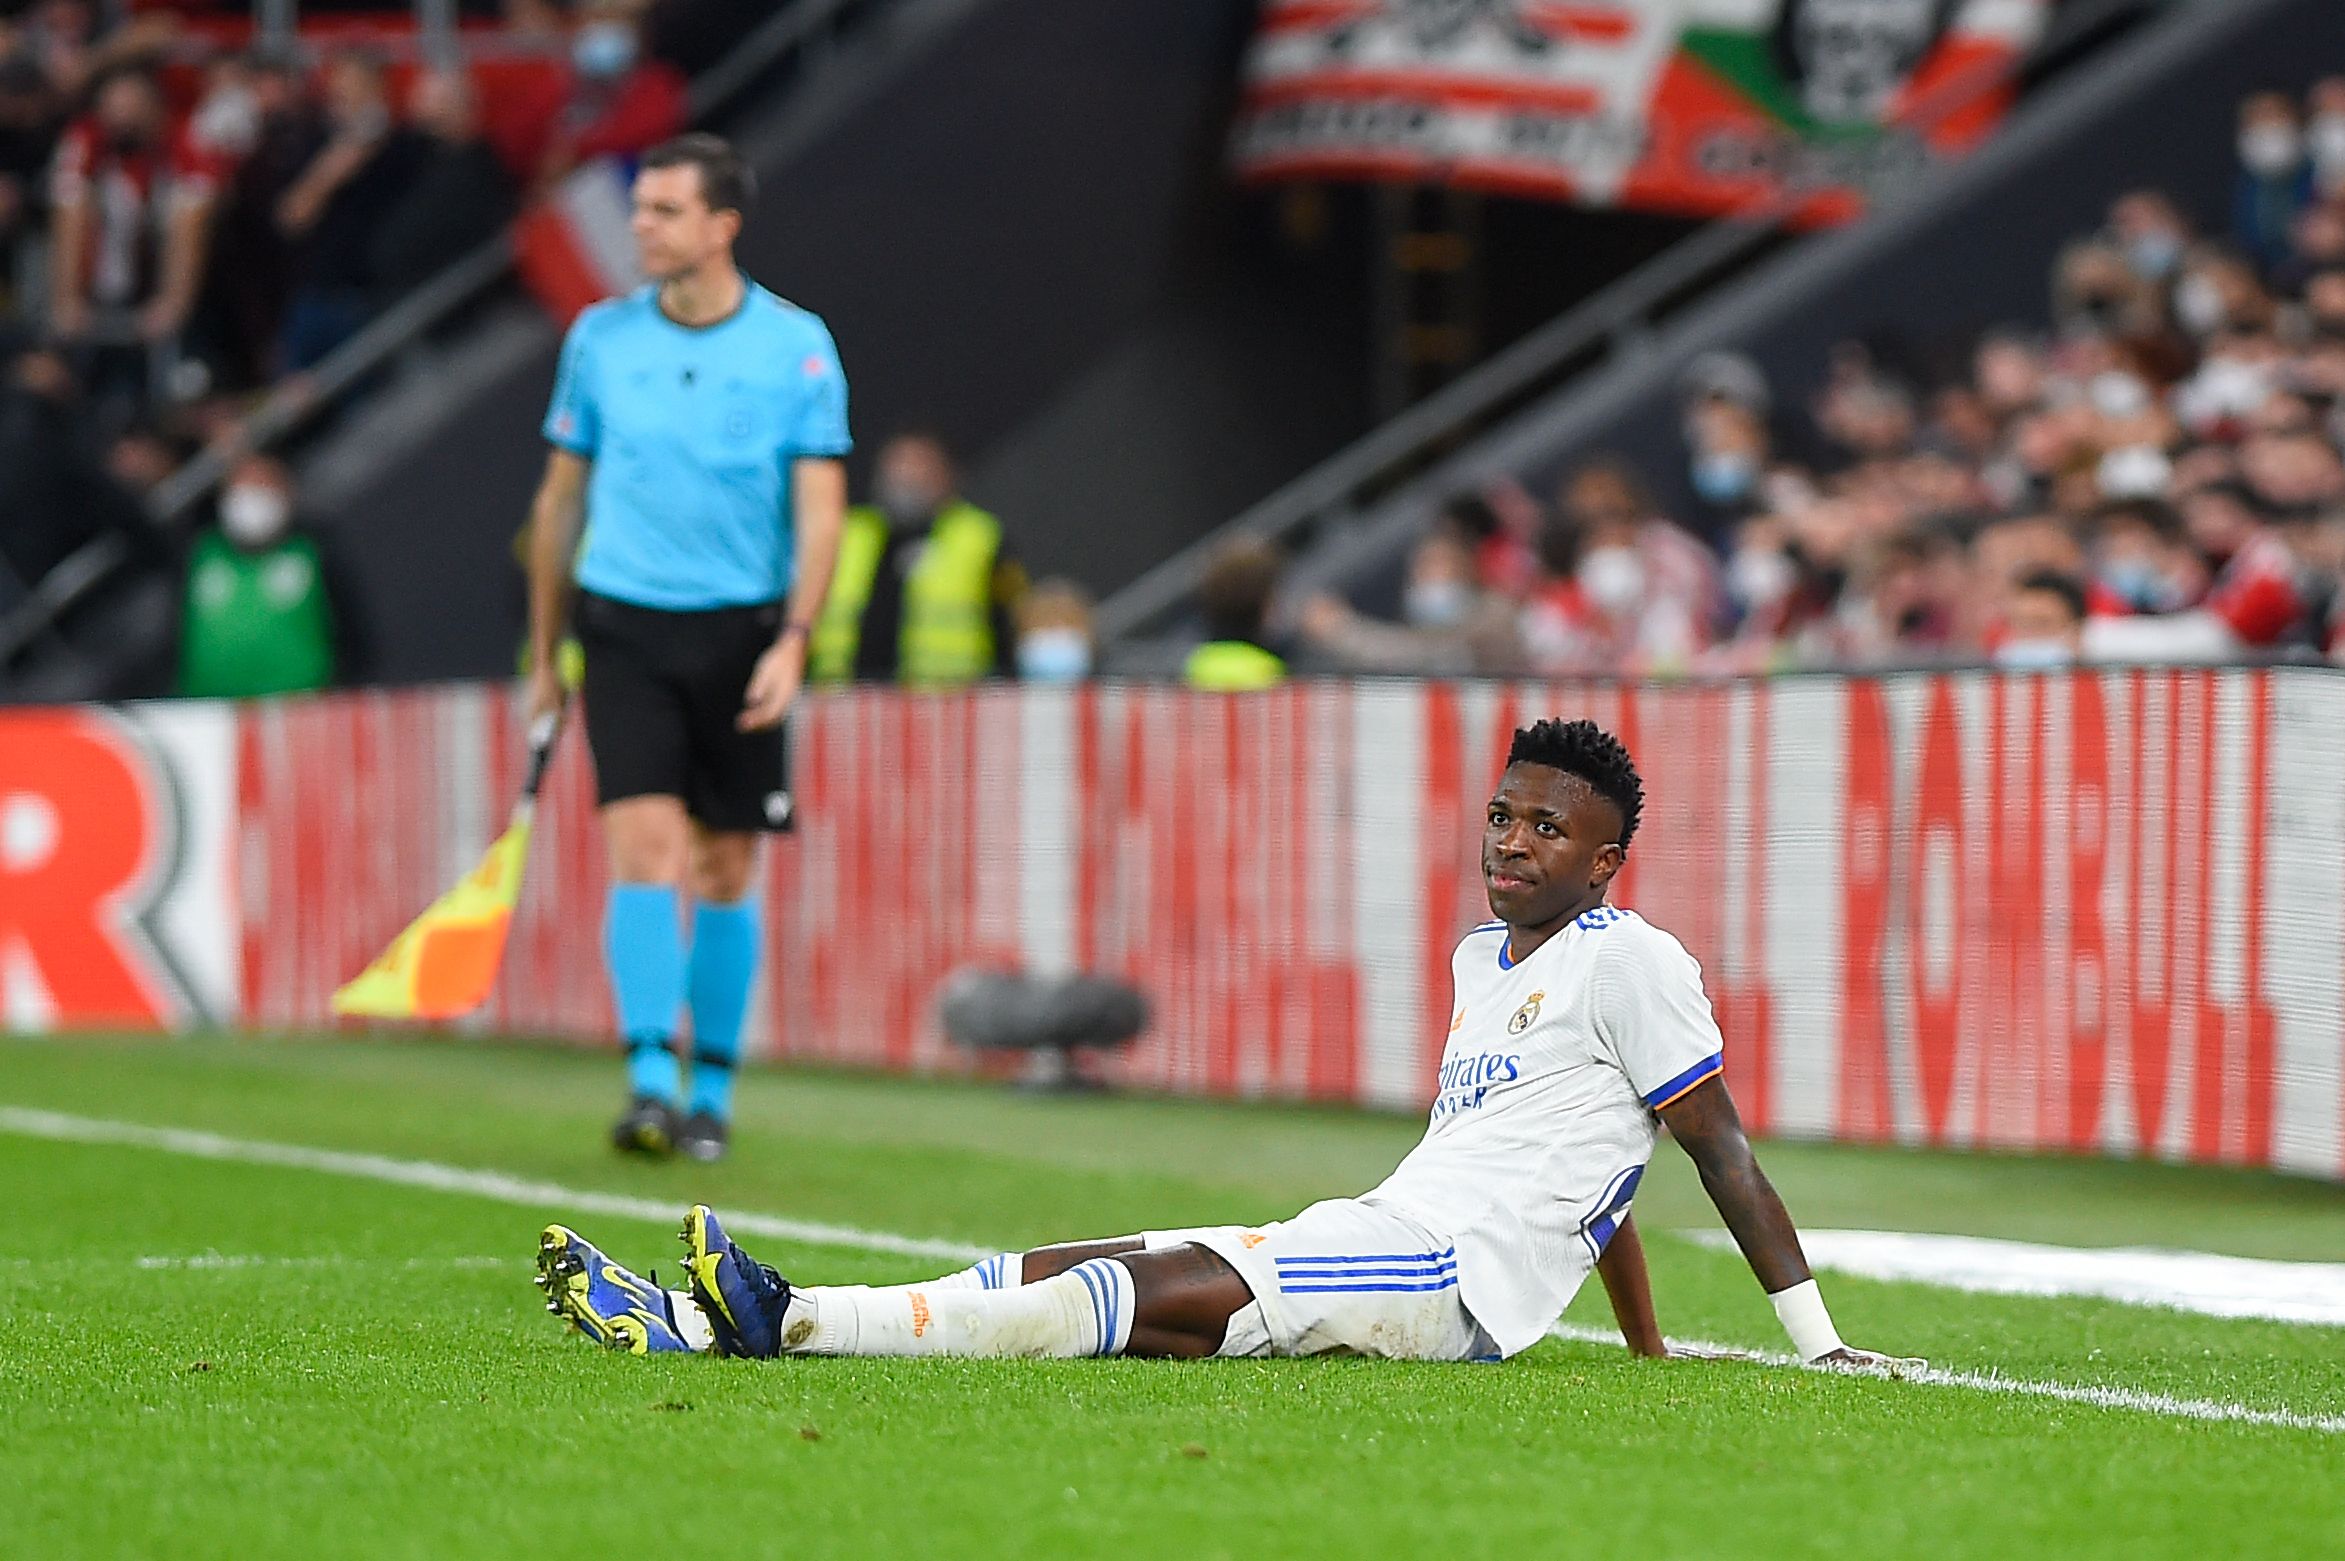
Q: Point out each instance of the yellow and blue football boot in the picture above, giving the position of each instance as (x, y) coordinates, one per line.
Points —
(614, 1308)
(745, 1301)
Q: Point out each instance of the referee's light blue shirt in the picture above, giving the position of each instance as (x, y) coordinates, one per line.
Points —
(692, 432)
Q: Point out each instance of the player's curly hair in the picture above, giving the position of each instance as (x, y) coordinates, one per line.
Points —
(1585, 749)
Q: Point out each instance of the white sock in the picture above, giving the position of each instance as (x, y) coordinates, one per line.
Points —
(691, 1322)
(1002, 1271)
(1084, 1311)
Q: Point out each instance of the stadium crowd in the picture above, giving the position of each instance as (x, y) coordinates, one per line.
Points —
(191, 216)
(2156, 477)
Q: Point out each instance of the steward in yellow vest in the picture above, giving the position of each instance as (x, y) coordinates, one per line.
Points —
(1232, 667)
(1234, 599)
(924, 587)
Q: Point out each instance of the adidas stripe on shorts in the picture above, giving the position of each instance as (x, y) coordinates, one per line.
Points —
(1343, 1277)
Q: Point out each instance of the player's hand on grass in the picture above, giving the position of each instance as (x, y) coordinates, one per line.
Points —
(1848, 1359)
(772, 686)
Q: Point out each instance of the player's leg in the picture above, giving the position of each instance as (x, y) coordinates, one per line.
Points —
(1049, 1262)
(721, 970)
(637, 730)
(1188, 1292)
(1002, 1271)
(625, 1311)
(1174, 1301)
(644, 950)
(738, 790)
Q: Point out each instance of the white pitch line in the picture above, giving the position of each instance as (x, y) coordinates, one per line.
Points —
(1991, 1382)
(499, 1187)
(494, 1185)
(200, 1261)
(2211, 1283)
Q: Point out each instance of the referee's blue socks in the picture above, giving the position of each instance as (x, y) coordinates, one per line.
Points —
(724, 963)
(643, 948)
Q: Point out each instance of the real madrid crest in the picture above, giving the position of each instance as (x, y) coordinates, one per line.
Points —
(1525, 1016)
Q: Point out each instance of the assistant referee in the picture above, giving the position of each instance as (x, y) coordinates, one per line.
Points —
(698, 426)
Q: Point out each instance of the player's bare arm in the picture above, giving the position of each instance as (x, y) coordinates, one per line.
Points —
(1630, 1290)
(553, 542)
(820, 491)
(1706, 1125)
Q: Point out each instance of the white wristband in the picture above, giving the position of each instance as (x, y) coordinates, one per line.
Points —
(1801, 1311)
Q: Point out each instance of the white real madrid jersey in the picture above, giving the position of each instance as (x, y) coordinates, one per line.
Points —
(1554, 1069)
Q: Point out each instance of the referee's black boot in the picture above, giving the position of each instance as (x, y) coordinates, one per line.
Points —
(648, 1127)
(703, 1137)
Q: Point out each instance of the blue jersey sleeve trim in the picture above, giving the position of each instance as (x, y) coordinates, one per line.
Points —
(1657, 1098)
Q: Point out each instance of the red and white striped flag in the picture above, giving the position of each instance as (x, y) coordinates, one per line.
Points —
(573, 246)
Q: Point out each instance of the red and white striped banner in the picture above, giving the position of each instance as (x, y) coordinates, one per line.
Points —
(2102, 912)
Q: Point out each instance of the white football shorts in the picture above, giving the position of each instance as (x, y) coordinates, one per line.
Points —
(1343, 1277)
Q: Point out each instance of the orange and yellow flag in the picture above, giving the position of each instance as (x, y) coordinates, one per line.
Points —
(443, 965)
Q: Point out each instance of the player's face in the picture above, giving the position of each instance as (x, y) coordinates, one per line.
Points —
(675, 232)
(1549, 846)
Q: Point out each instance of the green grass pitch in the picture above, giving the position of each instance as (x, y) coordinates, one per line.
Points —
(362, 1369)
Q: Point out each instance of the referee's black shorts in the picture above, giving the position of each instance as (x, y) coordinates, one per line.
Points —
(663, 691)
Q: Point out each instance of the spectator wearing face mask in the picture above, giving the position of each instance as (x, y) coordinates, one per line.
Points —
(1727, 462)
(926, 588)
(259, 615)
(1651, 591)
(614, 101)
(132, 195)
(2142, 566)
(2324, 135)
(2150, 232)
(1762, 588)
(2043, 623)
(265, 107)
(1450, 624)
(2263, 598)
(1056, 640)
(2275, 180)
